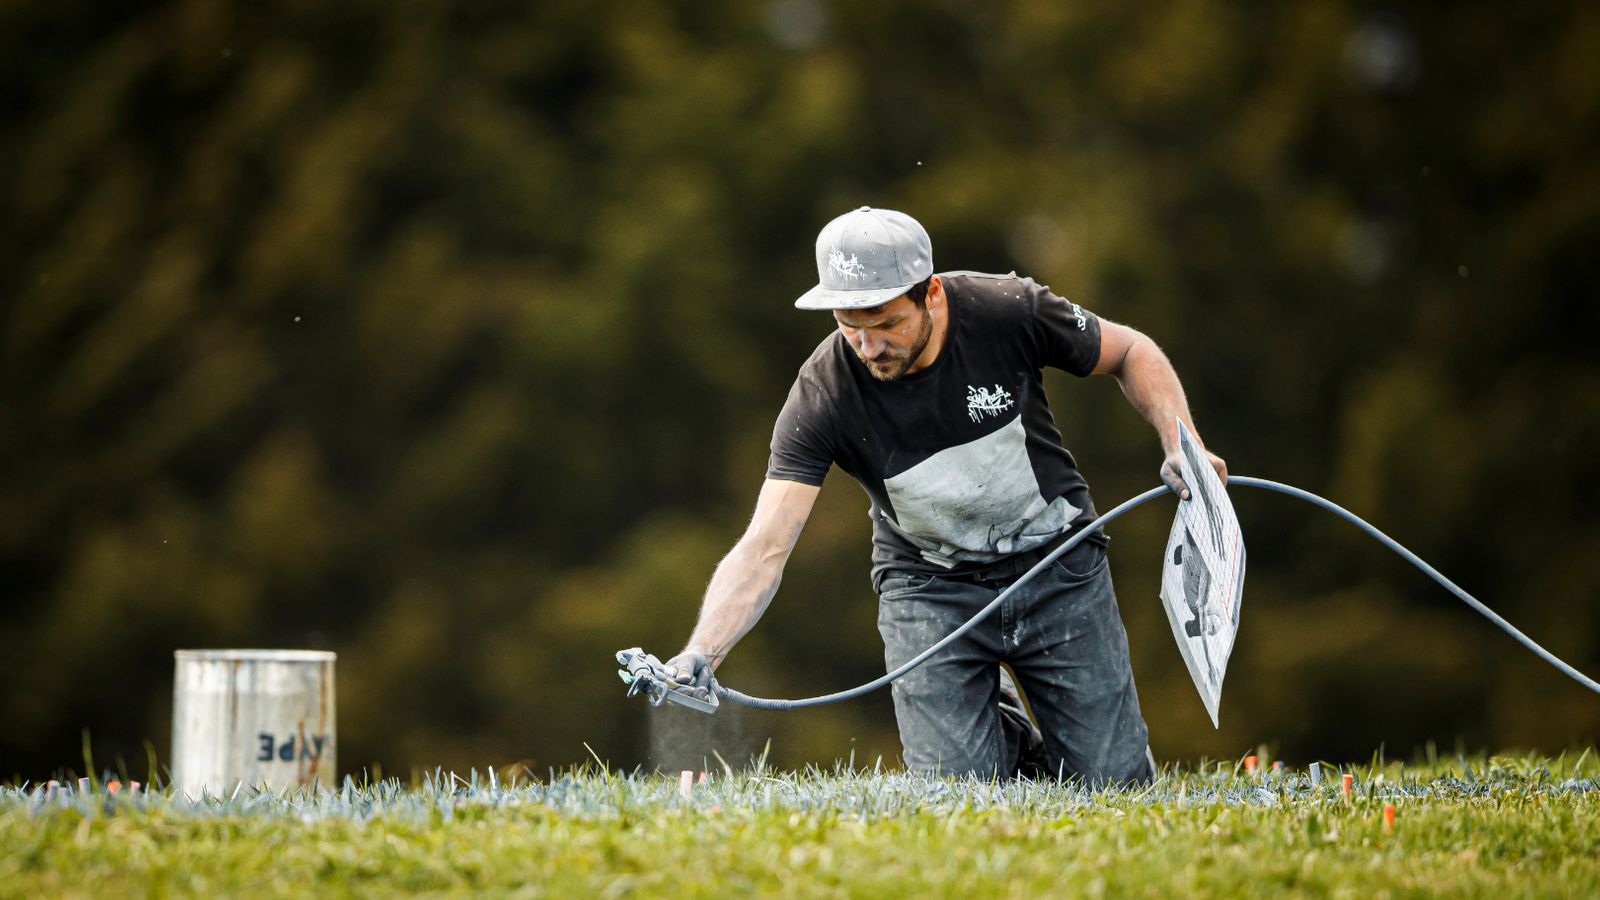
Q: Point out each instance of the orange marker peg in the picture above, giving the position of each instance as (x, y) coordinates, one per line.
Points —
(1388, 817)
(1277, 765)
(1344, 784)
(113, 786)
(1250, 763)
(703, 780)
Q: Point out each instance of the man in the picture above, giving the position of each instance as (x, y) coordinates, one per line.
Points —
(931, 395)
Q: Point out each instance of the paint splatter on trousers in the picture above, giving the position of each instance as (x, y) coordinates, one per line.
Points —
(1062, 635)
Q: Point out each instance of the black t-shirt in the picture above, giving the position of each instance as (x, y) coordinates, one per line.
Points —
(962, 460)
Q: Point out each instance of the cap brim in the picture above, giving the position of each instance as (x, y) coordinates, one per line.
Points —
(820, 297)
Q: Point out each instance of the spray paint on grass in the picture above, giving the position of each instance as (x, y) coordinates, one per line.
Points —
(685, 739)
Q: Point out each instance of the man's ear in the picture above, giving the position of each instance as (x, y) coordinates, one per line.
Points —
(935, 291)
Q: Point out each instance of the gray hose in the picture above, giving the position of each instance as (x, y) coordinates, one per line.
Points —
(734, 696)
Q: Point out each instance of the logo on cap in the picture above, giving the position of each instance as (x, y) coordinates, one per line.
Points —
(850, 267)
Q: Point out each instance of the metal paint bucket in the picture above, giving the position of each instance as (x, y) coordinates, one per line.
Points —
(252, 717)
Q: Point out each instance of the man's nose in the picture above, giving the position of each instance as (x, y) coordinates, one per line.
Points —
(871, 344)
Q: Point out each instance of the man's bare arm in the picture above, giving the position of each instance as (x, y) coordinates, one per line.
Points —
(747, 578)
(1152, 387)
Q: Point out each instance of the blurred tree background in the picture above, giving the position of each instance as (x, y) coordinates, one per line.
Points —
(449, 336)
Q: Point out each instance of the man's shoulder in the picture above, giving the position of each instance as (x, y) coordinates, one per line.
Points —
(995, 287)
(818, 384)
(824, 365)
(989, 295)
(982, 281)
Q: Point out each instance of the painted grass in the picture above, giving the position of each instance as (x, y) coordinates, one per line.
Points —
(1502, 827)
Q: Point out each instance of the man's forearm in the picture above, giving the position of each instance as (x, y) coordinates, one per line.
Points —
(747, 578)
(1152, 387)
(742, 586)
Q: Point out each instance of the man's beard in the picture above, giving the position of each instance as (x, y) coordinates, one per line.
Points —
(892, 369)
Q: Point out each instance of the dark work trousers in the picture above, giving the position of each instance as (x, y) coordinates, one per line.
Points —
(1061, 634)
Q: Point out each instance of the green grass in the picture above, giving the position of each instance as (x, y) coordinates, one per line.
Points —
(1505, 826)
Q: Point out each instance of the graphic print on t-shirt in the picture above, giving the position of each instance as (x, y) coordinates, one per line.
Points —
(981, 401)
(977, 501)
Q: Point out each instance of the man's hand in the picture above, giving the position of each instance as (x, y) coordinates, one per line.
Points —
(690, 668)
(1172, 472)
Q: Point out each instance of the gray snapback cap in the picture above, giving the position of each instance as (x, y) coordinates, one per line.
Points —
(866, 258)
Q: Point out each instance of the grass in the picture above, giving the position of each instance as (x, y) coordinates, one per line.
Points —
(1503, 826)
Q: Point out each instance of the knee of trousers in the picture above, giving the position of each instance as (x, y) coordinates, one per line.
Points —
(940, 734)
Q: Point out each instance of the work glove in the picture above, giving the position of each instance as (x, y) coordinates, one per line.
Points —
(690, 668)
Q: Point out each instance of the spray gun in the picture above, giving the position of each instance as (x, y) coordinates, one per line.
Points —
(645, 674)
